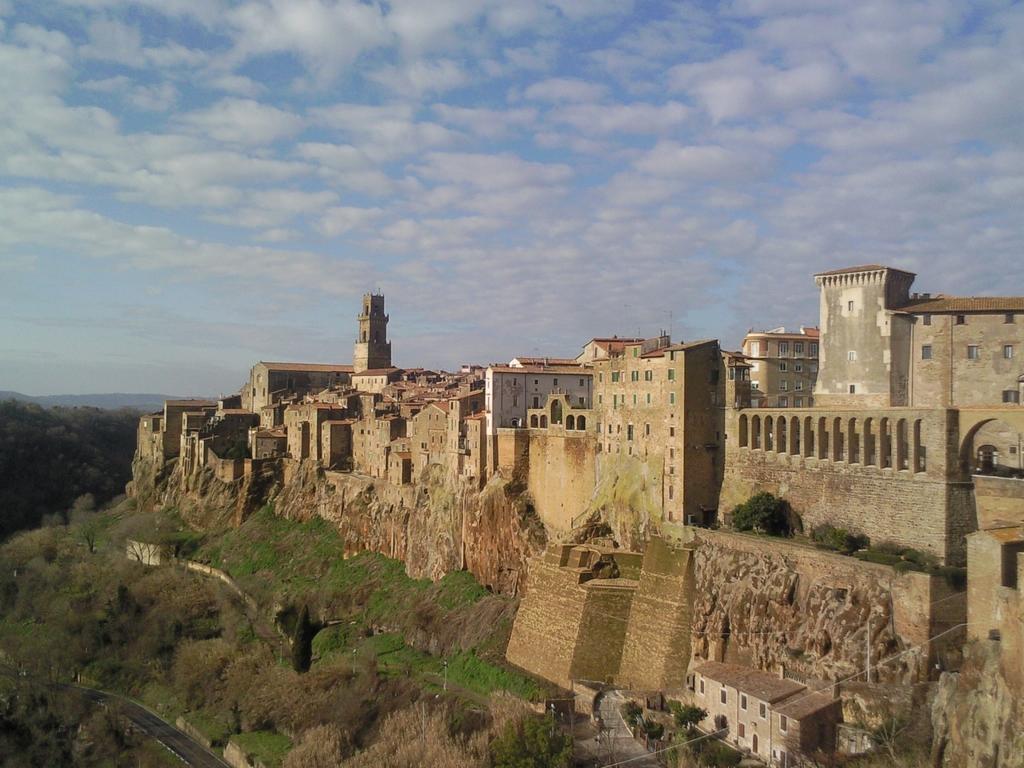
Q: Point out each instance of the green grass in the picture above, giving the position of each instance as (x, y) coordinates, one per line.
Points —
(470, 671)
(457, 589)
(268, 746)
(212, 725)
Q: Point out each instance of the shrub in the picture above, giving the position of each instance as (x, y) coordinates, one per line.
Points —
(653, 728)
(762, 513)
(534, 742)
(839, 539)
(631, 713)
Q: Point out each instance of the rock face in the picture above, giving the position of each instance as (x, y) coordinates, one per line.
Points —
(773, 606)
(434, 527)
(978, 720)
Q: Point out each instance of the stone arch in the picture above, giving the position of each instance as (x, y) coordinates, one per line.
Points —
(755, 432)
(869, 442)
(556, 412)
(838, 453)
(769, 433)
(570, 422)
(822, 438)
(901, 444)
(781, 438)
(1004, 436)
(920, 451)
(794, 436)
(543, 421)
(581, 422)
(884, 443)
(743, 430)
(852, 442)
(808, 436)
(533, 420)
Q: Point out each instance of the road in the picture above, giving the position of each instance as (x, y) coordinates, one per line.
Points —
(189, 751)
(615, 742)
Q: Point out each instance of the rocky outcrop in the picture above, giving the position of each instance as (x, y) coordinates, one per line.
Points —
(978, 720)
(436, 526)
(773, 609)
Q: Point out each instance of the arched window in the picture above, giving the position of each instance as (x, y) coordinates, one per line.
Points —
(822, 439)
(543, 422)
(769, 436)
(808, 436)
(533, 420)
(743, 430)
(869, 442)
(884, 444)
(581, 422)
(901, 445)
(781, 442)
(920, 453)
(570, 422)
(837, 440)
(794, 436)
(755, 432)
(556, 411)
(852, 442)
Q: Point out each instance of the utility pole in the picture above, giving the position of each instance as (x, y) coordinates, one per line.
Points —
(445, 665)
(867, 650)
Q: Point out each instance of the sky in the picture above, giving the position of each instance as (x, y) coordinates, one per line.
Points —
(188, 186)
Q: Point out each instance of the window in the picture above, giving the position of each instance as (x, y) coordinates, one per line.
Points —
(763, 710)
(783, 402)
(784, 385)
(629, 431)
(671, 453)
(1011, 396)
(783, 367)
(582, 400)
(926, 352)
(671, 493)
(636, 351)
(647, 430)
(799, 385)
(849, 306)
(581, 382)
(555, 382)
(672, 398)
(702, 679)
(600, 378)
(536, 402)
(671, 431)
(798, 348)
(723, 696)
(648, 375)
(741, 730)
(798, 402)
(615, 375)
(926, 319)
(853, 389)
(851, 355)
(961, 319)
(973, 352)
(1008, 317)
(755, 348)
(798, 367)
(743, 702)
(634, 375)
(783, 723)
(671, 374)
(783, 348)
(671, 470)
(814, 350)
(648, 398)
(1008, 351)
(634, 399)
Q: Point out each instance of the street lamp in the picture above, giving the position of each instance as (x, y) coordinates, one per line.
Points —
(445, 665)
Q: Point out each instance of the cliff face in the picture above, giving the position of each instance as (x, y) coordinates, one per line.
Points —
(434, 527)
(978, 720)
(767, 608)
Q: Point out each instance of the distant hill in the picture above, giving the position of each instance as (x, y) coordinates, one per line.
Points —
(110, 401)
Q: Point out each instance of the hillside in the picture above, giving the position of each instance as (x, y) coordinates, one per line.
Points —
(49, 457)
(107, 400)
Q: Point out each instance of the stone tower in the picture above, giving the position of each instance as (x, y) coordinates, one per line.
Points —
(865, 341)
(373, 350)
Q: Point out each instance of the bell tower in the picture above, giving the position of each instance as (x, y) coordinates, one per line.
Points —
(372, 350)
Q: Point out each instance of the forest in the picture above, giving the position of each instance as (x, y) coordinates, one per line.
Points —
(51, 457)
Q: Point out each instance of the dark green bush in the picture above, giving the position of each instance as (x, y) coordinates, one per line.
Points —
(762, 513)
(686, 715)
(839, 539)
(631, 713)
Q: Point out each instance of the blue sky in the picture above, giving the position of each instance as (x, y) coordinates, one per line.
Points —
(187, 186)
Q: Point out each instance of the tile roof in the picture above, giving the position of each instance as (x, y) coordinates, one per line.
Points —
(804, 704)
(861, 268)
(311, 367)
(761, 685)
(964, 304)
(188, 403)
(546, 360)
(377, 372)
(574, 369)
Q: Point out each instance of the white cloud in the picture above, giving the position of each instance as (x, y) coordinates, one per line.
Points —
(421, 77)
(485, 122)
(670, 158)
(243, 121)
(341, 219)
(384, 133)
(634, 118)
(561, 89)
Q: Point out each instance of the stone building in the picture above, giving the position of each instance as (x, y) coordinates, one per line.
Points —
(510, 391)
(304, 422)
(271, 382)
(995, 605)
(784, 367)
(885, 347)
(372, 348)
(664, 404)
(774, 719)
(601, 348)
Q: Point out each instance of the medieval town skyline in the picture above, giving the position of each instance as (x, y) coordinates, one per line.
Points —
(191, 186)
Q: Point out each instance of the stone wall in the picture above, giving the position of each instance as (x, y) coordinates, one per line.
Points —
(561, 476)
(656, 650)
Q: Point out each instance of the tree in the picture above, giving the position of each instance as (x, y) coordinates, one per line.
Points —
(686, 715)
(762, 513)
(533, 742)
